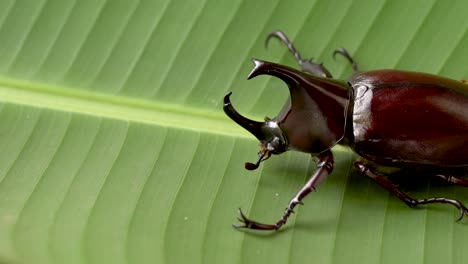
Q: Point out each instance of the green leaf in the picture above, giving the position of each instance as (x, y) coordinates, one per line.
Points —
(114, 147)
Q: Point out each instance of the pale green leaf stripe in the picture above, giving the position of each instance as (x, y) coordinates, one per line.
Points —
(118, 107)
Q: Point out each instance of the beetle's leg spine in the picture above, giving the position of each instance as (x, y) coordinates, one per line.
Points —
(324, 168)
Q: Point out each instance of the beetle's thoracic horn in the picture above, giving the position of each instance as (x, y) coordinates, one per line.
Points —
(290, 76)
(315, 101)
(252, 126)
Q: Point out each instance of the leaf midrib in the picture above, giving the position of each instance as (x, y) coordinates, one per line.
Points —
(117, 107)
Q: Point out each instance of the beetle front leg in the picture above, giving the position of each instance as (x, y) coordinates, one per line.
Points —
(309, 65)
(411, 202)
(324, 168)
(345, 54)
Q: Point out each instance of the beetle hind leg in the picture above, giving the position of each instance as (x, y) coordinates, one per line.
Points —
(411, 202)
(307, 65)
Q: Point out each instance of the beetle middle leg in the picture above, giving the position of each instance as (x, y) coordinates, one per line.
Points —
(309, 65)
(411, 202)
(324, 168)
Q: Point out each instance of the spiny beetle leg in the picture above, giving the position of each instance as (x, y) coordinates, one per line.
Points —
(345, 54)
(324, 163)
(411, 202)
(309, 65)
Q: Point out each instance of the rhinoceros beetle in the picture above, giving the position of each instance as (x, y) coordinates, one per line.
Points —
(390, 118)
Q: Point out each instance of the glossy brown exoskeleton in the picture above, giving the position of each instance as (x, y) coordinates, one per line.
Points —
(390, 118)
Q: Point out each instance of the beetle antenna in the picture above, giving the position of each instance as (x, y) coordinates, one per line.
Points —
(345, 54)
(281, 36)
(262, 155)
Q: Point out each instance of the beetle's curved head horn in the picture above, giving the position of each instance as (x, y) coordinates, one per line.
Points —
(252, 126)
(268, 133)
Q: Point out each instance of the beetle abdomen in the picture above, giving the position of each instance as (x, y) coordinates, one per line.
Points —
(404, 118)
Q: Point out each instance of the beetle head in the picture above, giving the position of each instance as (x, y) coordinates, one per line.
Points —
(272, 140)
(312, 120)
